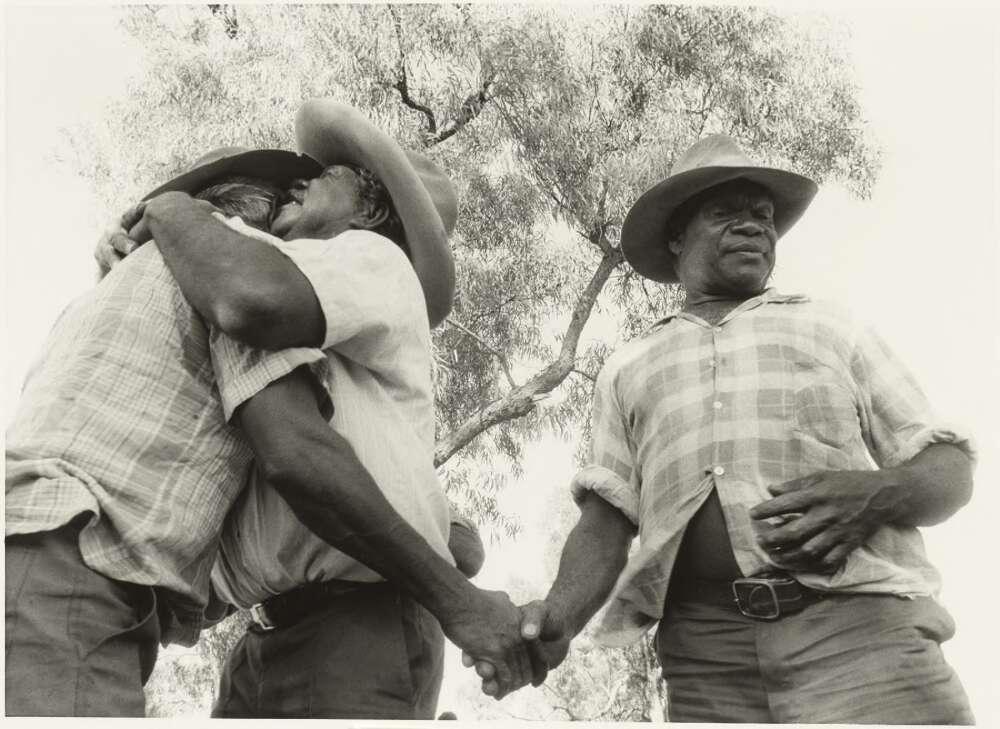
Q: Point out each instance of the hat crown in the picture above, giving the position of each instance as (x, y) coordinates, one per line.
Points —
(715, 150)
(216, 154)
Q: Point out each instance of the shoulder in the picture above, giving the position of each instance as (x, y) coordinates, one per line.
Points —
(836, 316)
(622, 364)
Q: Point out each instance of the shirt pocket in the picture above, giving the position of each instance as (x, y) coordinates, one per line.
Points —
(824, 406)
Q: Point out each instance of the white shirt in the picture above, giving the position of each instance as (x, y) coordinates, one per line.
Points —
(378, 351)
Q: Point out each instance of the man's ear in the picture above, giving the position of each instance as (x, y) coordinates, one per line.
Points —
(370, 217)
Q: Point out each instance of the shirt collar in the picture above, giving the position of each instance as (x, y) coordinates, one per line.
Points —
(769, 295)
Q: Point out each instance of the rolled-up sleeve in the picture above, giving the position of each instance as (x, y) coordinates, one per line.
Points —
(896, 418)
(365, 286)
(611, 472)
(241, 371)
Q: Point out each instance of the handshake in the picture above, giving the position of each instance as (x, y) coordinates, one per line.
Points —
(509, 646)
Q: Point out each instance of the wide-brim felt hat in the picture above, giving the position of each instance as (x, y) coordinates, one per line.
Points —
(710, 161)
(277, 166)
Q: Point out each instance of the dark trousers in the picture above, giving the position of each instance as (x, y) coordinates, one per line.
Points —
(371, 654)
(850, 659)
(77, 643)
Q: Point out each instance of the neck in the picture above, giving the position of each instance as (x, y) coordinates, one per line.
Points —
(713, 307)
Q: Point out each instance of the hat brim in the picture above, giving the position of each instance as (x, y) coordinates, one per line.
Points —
(644, 231)
(278, 166)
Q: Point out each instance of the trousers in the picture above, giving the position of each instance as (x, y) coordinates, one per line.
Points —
(370, 654)
(851, 659)
(77, 643)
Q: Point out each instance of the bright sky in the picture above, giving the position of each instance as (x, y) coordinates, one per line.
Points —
(919, 259)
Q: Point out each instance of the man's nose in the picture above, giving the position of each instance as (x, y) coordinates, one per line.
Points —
(748, 226)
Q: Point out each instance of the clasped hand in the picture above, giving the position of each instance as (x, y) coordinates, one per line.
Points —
(543, 642)
(131, 231)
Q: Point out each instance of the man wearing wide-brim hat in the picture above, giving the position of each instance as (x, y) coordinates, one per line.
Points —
(740, 439)
(123, 460)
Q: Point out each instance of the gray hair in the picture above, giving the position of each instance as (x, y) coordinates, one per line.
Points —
(252, 199)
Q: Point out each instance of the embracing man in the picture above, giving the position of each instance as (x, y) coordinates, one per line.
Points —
(776, 460)
(123, 461)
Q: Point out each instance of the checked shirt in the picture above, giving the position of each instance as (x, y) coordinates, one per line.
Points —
(122, 417)
(781, 388)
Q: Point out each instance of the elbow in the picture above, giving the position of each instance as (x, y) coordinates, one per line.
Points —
(247, 317)
(440, 297)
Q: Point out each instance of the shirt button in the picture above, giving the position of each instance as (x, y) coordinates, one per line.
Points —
(719, 471)
(717, 405)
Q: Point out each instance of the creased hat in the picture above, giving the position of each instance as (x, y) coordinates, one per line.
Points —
(274, 165)
(710, 161)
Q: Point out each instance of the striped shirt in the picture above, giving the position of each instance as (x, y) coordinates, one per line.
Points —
(781, 388)
(379, 378)
(121, 417)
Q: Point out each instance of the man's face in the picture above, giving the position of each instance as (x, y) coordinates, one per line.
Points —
(321, 207)
(728, 246)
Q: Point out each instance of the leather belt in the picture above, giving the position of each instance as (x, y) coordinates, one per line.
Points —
(288, 608)
(763, 597)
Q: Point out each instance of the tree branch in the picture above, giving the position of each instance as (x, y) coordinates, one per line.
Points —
(521, 400)
(471, 108)
(499, 355)
(402, 84)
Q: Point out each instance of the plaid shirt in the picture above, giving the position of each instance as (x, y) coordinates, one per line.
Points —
(781, 388)
(121, 417)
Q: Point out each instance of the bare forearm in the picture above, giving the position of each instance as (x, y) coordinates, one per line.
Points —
(234, 281)
(592, 558)
(928, 488)
(333, 495)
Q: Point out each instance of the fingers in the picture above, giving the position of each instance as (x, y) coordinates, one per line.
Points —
(539, 665)
(140, 232)
(796, 484)
(793, 502)
(485, 669)
(838, 555)
(792, 534)
(133, 215)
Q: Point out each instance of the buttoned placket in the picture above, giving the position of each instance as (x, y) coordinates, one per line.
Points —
(716, 469)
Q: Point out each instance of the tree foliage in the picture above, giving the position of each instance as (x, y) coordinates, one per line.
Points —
(551, 120)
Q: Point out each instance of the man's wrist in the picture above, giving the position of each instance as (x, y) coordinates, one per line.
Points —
(451, 596)
(565, 612)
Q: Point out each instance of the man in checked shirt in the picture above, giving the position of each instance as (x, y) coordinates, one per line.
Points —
(776, 460)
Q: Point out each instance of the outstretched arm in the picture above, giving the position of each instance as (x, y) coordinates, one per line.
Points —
(592, 558)
(317, 472)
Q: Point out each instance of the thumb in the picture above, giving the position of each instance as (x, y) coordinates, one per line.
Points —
(532, 619)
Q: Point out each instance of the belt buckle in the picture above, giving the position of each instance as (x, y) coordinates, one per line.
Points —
(751, 592)
(259, 616)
